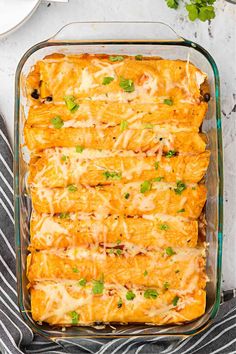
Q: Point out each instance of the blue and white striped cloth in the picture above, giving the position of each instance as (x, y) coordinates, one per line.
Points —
(17, 338)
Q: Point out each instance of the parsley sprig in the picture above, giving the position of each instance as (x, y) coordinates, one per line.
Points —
(197, 9)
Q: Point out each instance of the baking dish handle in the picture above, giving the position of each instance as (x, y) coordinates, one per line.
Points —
(153, 31)
(161, 344)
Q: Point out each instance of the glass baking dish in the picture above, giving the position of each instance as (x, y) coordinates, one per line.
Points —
(149, 39)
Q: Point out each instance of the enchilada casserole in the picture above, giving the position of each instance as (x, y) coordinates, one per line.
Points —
(116, 178)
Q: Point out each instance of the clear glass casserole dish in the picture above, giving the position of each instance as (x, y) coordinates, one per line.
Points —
(149, 39)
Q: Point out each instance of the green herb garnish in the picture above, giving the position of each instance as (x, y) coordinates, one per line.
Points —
(127, 195)
(180, 187)
(148, 126)
(116, 58)
(98, 286)
(82, 282)
(156, 165)
(164, 227)
(168, 101)
(64, 158)
(112, 175)
(170, 251)
(107, 80)
(181, 211)
(119, 303)
(75, 270)
(118, 251)
(123, 125)
(72, 188)
(138, 57)
(126, 84)
(74, 317)
(70, 103)
(175, 300)
(130, 295)
(146, 186)
(79, 149)
(157, 179)
(145, 273)
(166, 285)
(170, 153)
(64, 215)
(57, 122)
(150, 294)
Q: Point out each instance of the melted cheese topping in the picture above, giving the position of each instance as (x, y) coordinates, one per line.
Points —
(136, 265)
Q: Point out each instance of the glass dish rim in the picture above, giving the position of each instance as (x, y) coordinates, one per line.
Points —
(180, 42)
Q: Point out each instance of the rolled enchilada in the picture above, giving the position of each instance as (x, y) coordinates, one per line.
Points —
(61, 167)
(65, 303)
(114, 139)
(67, 230)
(147, 197)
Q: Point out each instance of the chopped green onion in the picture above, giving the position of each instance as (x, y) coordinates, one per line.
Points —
(130, 295)
(181, 211)
(57, 122)
(127, 84)
(116, 58)
(170, 153)
(98, 286)
(112, 175)
(70, 103)
(166, 285)
(148, 126)
(74, 317)
(146, 186)
(72, 188)
(75, 270)
(170, 251)
(82, 282)
(119, 303)
(169, 102)
(164, 227)
(157, 179)
(145, 273)
(175, 300)
(138, 57)
(107, 80)
(123, 125)
(156, 165)
(118, 242)
(64, 215)
(150, 294)
(64, 157)
(79, 149)
(180, 187)
(118, 251)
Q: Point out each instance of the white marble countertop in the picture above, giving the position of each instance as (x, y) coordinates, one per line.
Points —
(218, 37)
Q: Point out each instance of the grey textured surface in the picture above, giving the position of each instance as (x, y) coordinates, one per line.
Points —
(218, 37)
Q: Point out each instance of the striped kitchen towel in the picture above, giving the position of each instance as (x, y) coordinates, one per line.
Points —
(16, 337)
